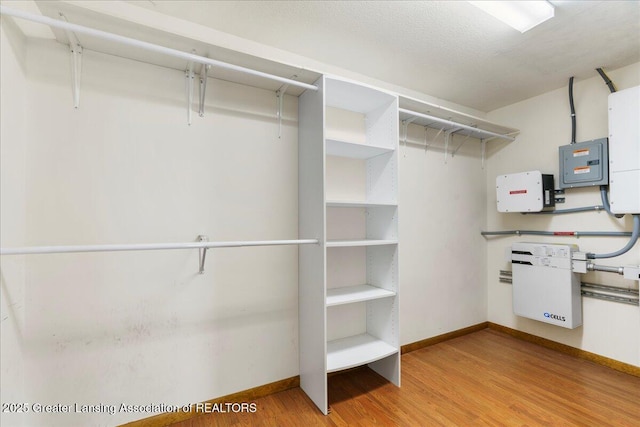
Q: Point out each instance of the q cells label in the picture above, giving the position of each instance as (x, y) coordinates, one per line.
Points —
(555, 316)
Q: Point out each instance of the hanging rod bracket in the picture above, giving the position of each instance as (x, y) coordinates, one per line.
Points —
(75, 51)
(204, 74)
(447, 138)
(426, 138)
(405, 127)
(280, 99)
(453, 153)
(189, 75)
(203, 252)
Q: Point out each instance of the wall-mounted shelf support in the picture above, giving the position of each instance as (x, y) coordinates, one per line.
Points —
(204, 74)
(435, 138)
(203, 252)
(280, 99)
(189, 87)
(75, 49)
(483, 149)
(447, 139)
(426, 138)
(453, 153)
(405, 128)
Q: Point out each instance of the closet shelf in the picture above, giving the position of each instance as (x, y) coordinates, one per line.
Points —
(357, 204)
(357, 293)
(471, 130)
(110, 34)
(360, 242)
(355, 351)
(354, 150)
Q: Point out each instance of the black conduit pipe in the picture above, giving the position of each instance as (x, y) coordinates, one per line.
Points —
(573, 112)
(606, 79)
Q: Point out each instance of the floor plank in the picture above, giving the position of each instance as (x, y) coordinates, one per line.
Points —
(485, 378)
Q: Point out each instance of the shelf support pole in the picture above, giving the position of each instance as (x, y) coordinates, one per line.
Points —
(447, 139)
(447, 136)
(280, 99)
(460, 145)
(426, 140)
(189, 87)
(483, 148)
(405, 128)
(203, 253)
(204, 74)
(75, 49)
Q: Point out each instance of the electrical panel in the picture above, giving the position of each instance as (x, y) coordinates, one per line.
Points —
(545, 288)
(624, 151)
(584, 164)
(525, 192)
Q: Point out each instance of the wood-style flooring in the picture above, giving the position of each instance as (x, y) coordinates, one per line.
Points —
(482, 379)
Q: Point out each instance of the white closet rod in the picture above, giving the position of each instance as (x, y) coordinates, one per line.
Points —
(149, 246)
(148, 46)
(482, 132)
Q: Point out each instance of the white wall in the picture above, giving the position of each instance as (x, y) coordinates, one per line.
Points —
(13, 147)
(144, 327)
(442, 255)
(609, 329)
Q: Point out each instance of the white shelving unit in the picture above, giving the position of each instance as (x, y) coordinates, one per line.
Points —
(348, 285)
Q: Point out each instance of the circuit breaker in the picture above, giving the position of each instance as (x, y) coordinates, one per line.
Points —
(545, 288)
(584, 164)
(524, 192)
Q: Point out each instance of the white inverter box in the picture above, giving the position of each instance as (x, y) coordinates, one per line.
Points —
(524, 192)
(545, 288)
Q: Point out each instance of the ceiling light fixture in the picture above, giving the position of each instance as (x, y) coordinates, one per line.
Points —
(521, 15)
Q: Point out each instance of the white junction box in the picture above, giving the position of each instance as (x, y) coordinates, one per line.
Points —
(524, 192)
(624, 151)
(545, 288)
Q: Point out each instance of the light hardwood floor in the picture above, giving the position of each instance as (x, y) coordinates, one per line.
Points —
(485, 378)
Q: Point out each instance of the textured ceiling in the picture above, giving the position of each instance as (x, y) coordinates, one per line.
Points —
(447, 49)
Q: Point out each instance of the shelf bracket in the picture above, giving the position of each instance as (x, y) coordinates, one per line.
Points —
(405, 125)
(426, 139)
(189, 87)
(203, 252)
(460, 145)
(204, 74)
(75, 49)
(405, 128)
(483, 148)
(280, 99)
(447, 137)
(435, 138)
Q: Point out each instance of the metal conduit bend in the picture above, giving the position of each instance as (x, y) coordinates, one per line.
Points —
(631, 243)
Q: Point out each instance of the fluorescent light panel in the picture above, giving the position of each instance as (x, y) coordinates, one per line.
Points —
(521, 15)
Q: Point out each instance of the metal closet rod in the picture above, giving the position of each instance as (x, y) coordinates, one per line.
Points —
(148, 46)
(457, 125)
(149, 246)
(557, 233)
